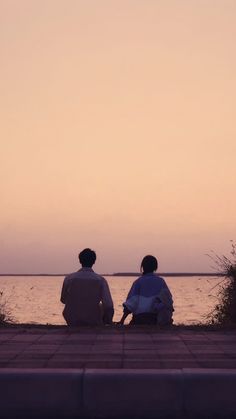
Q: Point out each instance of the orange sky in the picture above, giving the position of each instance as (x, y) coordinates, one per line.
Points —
(117, 132)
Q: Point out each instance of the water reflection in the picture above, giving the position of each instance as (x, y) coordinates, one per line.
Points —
(36, 299)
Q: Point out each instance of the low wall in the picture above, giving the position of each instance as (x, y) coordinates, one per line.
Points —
(117, 393)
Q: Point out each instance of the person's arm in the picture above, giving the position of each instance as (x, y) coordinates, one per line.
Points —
(107, 303)
(64, 290)
(126, 312)
(130, 303)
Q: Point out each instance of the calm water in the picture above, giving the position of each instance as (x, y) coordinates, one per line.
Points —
(37, 299)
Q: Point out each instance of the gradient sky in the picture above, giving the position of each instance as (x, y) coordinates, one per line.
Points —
(118, 123)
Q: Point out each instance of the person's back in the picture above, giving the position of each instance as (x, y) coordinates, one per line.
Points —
(149, 299)
(86, 295)
(150, 285)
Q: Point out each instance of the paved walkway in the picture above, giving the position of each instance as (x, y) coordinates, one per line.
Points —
(116, 348)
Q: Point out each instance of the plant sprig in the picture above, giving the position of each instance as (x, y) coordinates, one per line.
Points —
(224, 312)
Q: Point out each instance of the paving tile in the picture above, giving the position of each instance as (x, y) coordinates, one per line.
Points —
(62, 355)
(165, 338)
(220, 336)
(100, 345)
(100, 356)
(206, 351)
(7, 358)
(10, 352)
(142, 364)
(137, 337)
(32, 356)
(168, 341)
(49, 341)
(150, 360)
(111, 338)
(6, 331)
(13, 348)
(78, 342)
(140, 352)
(42, 348)
(130, 339)
(4, 363)
(82, 336)
(177, 356)
(76, 345)
(227, 347)
(225, 341)
(200, 345)
(4, 337)
(107, 352)
(139, 346)
(115, 348)
(217, 363)
(65, 364)
(170, 346)
(25, 338)
(194, 340)
(209, 355)
(26, 363)
(104, 364)
(169, 353)
(74, 349)
(179, 364)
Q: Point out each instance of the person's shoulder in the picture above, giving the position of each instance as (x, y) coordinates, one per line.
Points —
(157, 276)
(71, 275)
(138, 280)
(100, 277)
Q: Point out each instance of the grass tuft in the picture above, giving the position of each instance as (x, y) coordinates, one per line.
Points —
(5, 313)
(224, 313)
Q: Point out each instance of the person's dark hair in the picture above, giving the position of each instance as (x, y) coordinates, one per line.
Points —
(87, 258)
(149, 264)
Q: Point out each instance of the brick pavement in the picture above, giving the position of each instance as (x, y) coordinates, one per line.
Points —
(116, 348)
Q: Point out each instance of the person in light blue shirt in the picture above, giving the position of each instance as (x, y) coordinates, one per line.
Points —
(149, 299)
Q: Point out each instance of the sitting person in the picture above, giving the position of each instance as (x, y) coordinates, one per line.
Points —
(149, 299)
(86, 295)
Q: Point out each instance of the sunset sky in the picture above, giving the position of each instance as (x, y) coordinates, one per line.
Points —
(118, 132)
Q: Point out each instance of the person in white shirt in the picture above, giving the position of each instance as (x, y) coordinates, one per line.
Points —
(86, 295)
(149, 299)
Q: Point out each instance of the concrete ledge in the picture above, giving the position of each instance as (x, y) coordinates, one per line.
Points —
(117, 393)
(210, 390)
(39, 393)
(132, 392)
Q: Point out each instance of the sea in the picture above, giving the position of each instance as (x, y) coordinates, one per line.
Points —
(36, 299)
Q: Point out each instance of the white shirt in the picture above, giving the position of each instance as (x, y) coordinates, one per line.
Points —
(87, 298)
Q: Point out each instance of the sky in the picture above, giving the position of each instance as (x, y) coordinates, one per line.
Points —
(118, 123)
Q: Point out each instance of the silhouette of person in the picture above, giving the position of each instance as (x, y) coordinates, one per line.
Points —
(86, 295)
(149, 299)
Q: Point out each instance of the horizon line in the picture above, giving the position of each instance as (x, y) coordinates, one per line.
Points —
(120, 274)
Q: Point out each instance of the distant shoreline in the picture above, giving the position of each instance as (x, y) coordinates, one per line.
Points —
(170, 274)
(136, 274)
